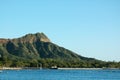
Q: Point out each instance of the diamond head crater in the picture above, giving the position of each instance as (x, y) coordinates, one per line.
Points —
(37, 50)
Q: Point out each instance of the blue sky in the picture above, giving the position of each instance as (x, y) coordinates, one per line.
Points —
(90, 28)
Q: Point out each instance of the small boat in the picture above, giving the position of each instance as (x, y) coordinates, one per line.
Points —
(54, 67)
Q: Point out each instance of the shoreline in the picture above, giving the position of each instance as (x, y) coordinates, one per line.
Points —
(21, 68)
(89, 68)
(18, 68)
(10, 68)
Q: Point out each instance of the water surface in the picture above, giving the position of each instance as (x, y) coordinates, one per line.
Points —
(60, 75)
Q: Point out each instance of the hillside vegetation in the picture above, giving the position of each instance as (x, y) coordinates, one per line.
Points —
(35, 50)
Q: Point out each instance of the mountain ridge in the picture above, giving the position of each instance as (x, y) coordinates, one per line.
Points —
(32, 49)
(33, 40)
(28, 38)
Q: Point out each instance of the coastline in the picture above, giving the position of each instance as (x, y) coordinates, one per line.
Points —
(80, 68)
(10, 68)
(89, 68)
(21, 68)
(18, 68)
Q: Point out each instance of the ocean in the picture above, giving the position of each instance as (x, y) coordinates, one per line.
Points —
(49, 74)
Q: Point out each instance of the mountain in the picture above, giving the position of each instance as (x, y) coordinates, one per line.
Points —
(35, 49)
(35, 46)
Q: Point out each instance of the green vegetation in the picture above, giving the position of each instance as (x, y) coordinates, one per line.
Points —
(35, 50)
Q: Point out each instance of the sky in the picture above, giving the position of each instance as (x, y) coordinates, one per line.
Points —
(90, 28)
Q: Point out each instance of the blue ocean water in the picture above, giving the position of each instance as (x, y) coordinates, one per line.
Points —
(60, 75)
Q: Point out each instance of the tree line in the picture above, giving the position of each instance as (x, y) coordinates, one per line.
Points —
(49, 62)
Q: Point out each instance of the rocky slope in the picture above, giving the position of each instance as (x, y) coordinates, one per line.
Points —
(33, 49)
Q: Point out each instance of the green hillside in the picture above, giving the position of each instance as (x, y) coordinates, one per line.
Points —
(34, 50)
